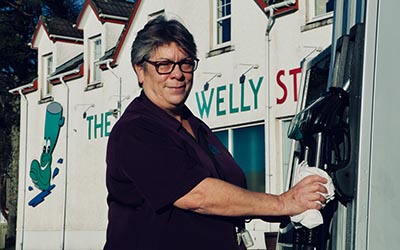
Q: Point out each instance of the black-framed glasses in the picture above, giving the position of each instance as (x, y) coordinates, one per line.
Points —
(165, 67)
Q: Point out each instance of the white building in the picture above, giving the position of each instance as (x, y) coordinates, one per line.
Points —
(245, 89)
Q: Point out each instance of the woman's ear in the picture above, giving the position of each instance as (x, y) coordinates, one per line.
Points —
(139, 72)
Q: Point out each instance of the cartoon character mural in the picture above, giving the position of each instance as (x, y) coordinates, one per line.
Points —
(41, 172)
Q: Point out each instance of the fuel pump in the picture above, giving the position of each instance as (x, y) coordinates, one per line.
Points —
(323, 134)
(326, 135)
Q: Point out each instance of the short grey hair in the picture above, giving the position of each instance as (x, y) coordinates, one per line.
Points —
(158, 32)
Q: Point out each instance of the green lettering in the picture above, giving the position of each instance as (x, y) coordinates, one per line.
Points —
(231, 108)
(242, 106)
(220, 100)
(89, 120)
(107, 124)
(203, 105)
(98, 126)
(255, 90)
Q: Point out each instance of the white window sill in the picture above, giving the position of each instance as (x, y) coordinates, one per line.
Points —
(318, 21)
(220, 50)
(94, 85)
(45, 99)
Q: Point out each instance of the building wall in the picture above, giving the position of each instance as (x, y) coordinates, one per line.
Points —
(66, 51)
(74, 215)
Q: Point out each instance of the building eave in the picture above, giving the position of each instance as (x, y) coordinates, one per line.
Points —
(25, 89)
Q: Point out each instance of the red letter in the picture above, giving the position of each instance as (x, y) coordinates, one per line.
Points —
(282, 85)
(294, 72)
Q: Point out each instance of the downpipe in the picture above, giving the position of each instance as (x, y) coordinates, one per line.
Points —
(61, 78)
(20, 91)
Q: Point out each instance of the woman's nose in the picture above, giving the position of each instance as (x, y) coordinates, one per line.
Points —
(177, 72)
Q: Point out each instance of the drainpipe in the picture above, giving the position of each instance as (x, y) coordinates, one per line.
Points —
(270, 11)
(61, 78)
(119, 105)
(20, 89)
(268, 122)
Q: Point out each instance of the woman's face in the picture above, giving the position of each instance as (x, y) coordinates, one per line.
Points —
(168, 91)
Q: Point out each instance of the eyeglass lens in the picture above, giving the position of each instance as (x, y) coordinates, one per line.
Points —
(166, 67)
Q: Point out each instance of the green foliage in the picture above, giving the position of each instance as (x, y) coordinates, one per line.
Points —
(18, 19)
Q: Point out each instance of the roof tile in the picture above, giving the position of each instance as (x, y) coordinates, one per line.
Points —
(114, 7)
(61, 27)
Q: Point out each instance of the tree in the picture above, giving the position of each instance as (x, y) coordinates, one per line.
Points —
(18, 66)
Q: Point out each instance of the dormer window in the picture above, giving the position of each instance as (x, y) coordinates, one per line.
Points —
(222, 28)
(320, 9)
(223, 22)
(95, 55)
(48, 68)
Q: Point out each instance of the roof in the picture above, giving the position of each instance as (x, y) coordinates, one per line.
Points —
(108, 54)
(263, 4)
(116, 11)
(61, 27)
(120, 8)
(71, 69)
(72, 64)
(57, 29)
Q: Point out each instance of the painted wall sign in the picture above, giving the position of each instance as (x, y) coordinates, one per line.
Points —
(222, 98)
(294, 73)
(99, 125)
(41, 172)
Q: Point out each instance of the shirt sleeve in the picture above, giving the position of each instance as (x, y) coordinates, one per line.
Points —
(159, 162)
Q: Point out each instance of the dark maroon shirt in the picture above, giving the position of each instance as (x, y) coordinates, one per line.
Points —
(152, 161)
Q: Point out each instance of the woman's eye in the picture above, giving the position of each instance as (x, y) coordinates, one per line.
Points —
(163, 64)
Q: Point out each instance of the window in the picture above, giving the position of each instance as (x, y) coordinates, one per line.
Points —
(47, 70)
(223, 22)
(323, 7)
(247, 145)
(286, 144)
(319, 8)
(96, 53)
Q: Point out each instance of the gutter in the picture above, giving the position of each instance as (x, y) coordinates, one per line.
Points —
(20, 91)
(269, 10)
(66, 38)
(105, 16)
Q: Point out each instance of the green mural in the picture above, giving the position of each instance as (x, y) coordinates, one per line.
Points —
(41, 171)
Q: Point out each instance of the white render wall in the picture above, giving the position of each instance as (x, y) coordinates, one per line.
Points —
(66, 51)
(80, 220)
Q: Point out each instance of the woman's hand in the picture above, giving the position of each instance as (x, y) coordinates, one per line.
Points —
(306, 194)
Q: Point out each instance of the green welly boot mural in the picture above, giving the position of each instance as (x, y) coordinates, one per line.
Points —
(41, 171)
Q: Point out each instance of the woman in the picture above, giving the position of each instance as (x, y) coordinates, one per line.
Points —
(171, 183)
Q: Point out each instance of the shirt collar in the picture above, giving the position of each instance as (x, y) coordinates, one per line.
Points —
(160, 114)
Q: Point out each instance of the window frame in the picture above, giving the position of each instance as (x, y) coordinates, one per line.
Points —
(216, 31)
(312, 16)
(94, 59)
(48, 69)
(283, 136)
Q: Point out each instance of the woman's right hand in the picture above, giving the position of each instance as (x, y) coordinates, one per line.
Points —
(306, 194)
